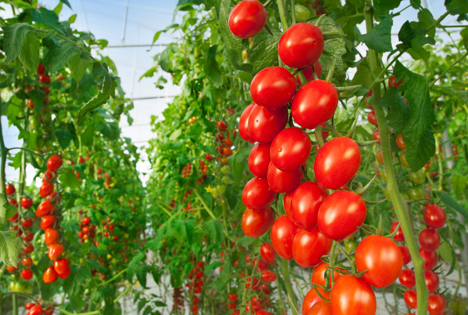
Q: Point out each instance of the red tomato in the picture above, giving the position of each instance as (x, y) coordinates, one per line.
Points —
(47, 222)
(86, 221)
(255, 223)
(282, 234)
(301, 45)
(337, 162)
(27, 262)
(318, 275)
(314, 104)
(28, 237)
(48, 176)
(376, 136)
(264, 125)
(41, 69)
(208, 157)
(400, 143)
(268, 253)
(282, 182)
(37, 309)
(46, 189)
(305, 241)
(287, 204)
(244, 124)
(341, 214)
(51, 236)
(44, 208)
(309, 72)
(29, 305)
(432, 281)
(257, 194)
(393, 83)
(247, 18)
(273, 87)
(313, 298)
(290, 149)
(44, 79)
(27, 223)
(50, 275)
(11, 269)
(10, 189)
(221, 125)
(28, 249)
(436, 304)
(305, 204)
(233, 297)
(399, 237)
(407, 278)
(431, 259)
(54, 163)
(352, 296)
(429, 239)
(372, 118)
(321, 308)
(27, 274)
(411, 298)
(268, 276)
(61, 266)
(434, 216)
(26, 203)
(406, 254)
(55, 250)
(259, 159)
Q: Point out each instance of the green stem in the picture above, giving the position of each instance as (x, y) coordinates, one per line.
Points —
(292, 299)
(69, 313)
(3, 156)
(204, 205)
(463, 57)
(293, 11)
(279, 290)
(121, 295)
(283, 17)
(114, 277)
(15, 304)
(393, 188)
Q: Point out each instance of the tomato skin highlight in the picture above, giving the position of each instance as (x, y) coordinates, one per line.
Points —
(411, 298)
(352, 296)
(305, 204)
(247, 18)
(273, 87)
(50, 275)
(341, 214)
(314, 104)
(436, 304)
(407, 278)
(282, 182)
(429, 239)
(264, 125)
(54, 163)
(61, 266)
(259, 159)
(47, 221)
(432, 281)
(290, 149)
(287, 204)
(268, 253)
(321, 308)
(434, 216)
(268, 276)
(337, 162)
(255, 223)
(55, 250)
(313, 298)
(282, 235)
(257, 194)
(51, 236)
(382, 259)
(305, 241)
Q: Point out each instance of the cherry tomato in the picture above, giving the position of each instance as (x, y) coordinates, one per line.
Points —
(290, 149)
(65, 274)
(61, 266)
(407, 278)
(268, 276)
(399, 237)
(86, 221)
(379, 156)
(27, 262)
(37, 310)
(305, 204)
(28, 249)
(434, 216)
(314, 104)
(46, 189)
(50, 275)
(309, 72)
(41, 69)
(393, 83)
(268, 253)
(376, 136)
(313, 298)
(244, 125)
(321, 308)
(341, 214)
(27, 274)
(55, 250)
(432, 281)
(382, 259)
(48, 176)
(44, 79)
(255, 223)
(264, 125)
(47, 221)
(417, 193)
(287, 204)
(273, 87)
(436, 304)
(282, 182)
(411, 298)
(352, 296)
(233, 297)
(247, 18)
(29, 305)
(44, 208)
(51, 236)
(372, 118)
(302, 13)
(403, 160)
(429, 239)
(259, 159)
(430, 258)
(27, 223)
(418, 177)
(28, 236)
(257, 194)
(54, 163)
(26, 203)
(318, 275)
(10, 189)
(301, 45)
(406, 254)
(282, 234)
(400, 143)
(337, 162)
(304, 241)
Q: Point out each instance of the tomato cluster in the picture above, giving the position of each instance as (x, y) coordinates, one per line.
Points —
(196, 286)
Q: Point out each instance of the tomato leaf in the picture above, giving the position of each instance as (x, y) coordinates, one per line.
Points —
(95, 265)
(380, 37)
(448, 253)
(29, 54)
(215, 228)
(399, 113)
(414, 37)
(237, 162)
(10, 247)
(264, 52)
(68, 179)
(78, 67)
(459, 184)
(14, 39)
(6, 209)
(46, 18)
(387, 4)
(211, 68)
(133, 265)
(464, 34)
(67, 3)
(61, 55)
(449, 201)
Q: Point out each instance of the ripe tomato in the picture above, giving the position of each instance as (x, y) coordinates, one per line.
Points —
(382, 259)
(55, 250)
(29, 305)
(268, 276)
(50, 275)
(282, 235)
(27, 262)
(27, 223)
(54, 163)
(314, 104)
(337, 162)
(400, 143)
(244, 124)
(399, 237)
(221, 125)
(86, 221)
(26, 203)
(301, 45)
(43, 78)
(352, 296)
(393, 83)
(268, 253)
(305, 204)
(61, 266)
(233, 297)
(287, 204)
(51, 236)
(434, 216)
(436, 304)
(290, 149)
(37, 309)
(10, 189)
(406, 254)
(376, 135)
(257, 194)
(247, 18)
(309, 72)
(259, 159)
(282, 182)
(41, 69)
(313, 298)
(44, 208)
(47, 222)
(429, 239)
(27, 274)
(407, 278)
(11, 268)
(321, 308)
(432, 281)
(341, 214)
(28, 249)
(264, 125)
(273, 87)
(372, 118)
(318, 275)
(28, 236)
(411, 298)
(379, 156)
(303, 243)
(431, 259)
(255, 223)
(46, 189)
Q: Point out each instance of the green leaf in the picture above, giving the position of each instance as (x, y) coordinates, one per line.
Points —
(109, 130)
(68, 179)
(380, 37)
(446, 199)
(10, 247)
(6, 209)
(264, 52)
(387, 4)
(185, 229)
(211, 267)
(47, 18)
(64, 137)
(215, 228)
(459, 184)
(62, 55)
(72, 19)
(211, 68)
(464, 34)
(363, 76)
(95, 265)
(158, 33)
(141, 304)
(133, 265)
(67, 3)
(414, 37)
(29, 55)
(78, 67)
(415, 3)
(237, 162)
(14, 39)
(58, 8)
(447, 253)
(182, 2)
(460, 6)
(399, 112)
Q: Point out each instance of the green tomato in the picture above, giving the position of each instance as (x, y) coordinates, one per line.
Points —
(29, 288)
(22, 287)
(215, 191)
(302, 13)
(221, 189)
(14, 286)
(226, 180)
(384, 175)
(226, 169)
(14, 276)
(417, 177)
(406, 196)
(417, 193)
(350, 245)
(33, 122)
(403, 160)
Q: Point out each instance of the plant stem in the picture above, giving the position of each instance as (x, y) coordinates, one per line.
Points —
(15, 304)
(292, 299)
(204, 205)
(463, 57)
(283, 17)
(3, 156)
(114, 277)
(293, 12)
(393, 188)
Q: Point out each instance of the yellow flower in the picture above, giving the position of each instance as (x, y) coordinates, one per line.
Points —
(209, 189)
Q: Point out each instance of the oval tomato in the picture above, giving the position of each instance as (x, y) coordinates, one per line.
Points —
(321, 308)
(399, 237)
(432, 281)
(54, 163)
(51, 236)
(61, 266)
(268, 276)
(65, 274)
(318, 275)
(44, 208)
(305, 204)
(429, 239)
(314, 104)
(405, 253)
(376, 136)
(282, 235)
(247, 18)
(10, 189)
(273, 87)
(50, 275)
(337, 162)
(37, 309)
(46, 189)
(255, 223)
(27, 262)
(341, 214)
(411, 298)
(287, 204)
(313, 298)
(430, 258)
(259, 159)
(400, 143)
(26, 203)
(352, 296)
(290, 149)
(47, 222)
(268, 253)
(305, 241)
(382, 259)
(282, 182)
(257, 194)
(436, 304)
(244, 125)
(407, 278)
(434, 216)
(264, 125)
(27, 223)
(55, 250)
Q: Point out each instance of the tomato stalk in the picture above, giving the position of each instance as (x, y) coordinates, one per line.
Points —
(393, 189)
(292, 299)
(3, 154)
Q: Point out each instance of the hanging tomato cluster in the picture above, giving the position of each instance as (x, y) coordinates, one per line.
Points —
(88, 230)
(196, 286)
(39, 309)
